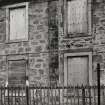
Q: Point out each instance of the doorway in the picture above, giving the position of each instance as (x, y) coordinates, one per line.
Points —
(78, 69)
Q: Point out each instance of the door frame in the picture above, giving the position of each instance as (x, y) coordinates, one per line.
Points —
(79, 54)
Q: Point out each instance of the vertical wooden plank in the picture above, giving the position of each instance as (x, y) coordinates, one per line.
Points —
(70, 97)
(94, 93)
(90, 95)
(74, 94)
(52, 98)
(30, 96)
(1, 95)
(103, 95)
(67, 95)
(23, 95)
(8, 96)
(4, 96)
(78, 96)
(15, 96)
(41, 95)
(83, 96)
(86, 96)
(59, 95)
(55, 96)
(48, 96)
(36, 97)
(19, 95)
(44, 98)
(63, 95)
(11, 90)
(34, 92)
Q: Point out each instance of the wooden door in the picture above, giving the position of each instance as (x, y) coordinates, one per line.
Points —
(17, 72)
(77, 70)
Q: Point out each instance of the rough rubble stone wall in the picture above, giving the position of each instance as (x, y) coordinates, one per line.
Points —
(35, 49)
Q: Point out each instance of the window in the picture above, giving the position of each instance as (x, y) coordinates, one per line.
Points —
(17, 72)
(17, 22)
(75, 65)
(77, 16)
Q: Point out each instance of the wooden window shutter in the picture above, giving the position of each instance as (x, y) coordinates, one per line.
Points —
(17, 23)
(77, 20)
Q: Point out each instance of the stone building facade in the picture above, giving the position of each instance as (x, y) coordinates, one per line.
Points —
(47, 53)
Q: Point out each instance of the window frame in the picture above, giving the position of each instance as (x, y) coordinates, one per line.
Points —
(78, 54)
(8, 8)
(88, 16)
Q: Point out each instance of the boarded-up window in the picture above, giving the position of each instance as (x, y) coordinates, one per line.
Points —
(77, 70)
(17, 23)
(77, 16)
(17, 72)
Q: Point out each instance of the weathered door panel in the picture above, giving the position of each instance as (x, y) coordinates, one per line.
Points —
(77, 69)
